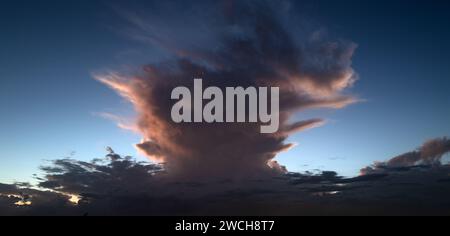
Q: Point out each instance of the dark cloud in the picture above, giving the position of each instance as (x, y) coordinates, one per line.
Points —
(429, 154)
(228, 169)
(229, 44)
(19, 200)
(122, 186)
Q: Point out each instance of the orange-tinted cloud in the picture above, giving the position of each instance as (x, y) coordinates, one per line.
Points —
(248, 45)
(429, 154)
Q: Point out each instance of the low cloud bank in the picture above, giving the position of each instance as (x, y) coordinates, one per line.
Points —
(117, 185)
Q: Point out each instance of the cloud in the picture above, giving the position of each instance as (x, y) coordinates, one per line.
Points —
(429, 154)
(121, 122)
(229, 44)
(119, 185)
(18, 200)
(232, 43)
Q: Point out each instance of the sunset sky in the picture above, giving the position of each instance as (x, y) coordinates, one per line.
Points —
(52, 106)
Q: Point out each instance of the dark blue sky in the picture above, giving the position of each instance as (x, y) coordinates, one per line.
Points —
(48, 97)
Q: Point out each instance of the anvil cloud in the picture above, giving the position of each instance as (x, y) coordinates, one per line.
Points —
(248, 45)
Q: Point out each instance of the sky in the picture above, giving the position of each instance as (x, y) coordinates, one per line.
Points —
(51, 104)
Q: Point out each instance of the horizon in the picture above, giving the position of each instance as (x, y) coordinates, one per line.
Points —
(363, 87)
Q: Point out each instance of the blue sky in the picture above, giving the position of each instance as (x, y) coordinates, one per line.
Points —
(48, 97)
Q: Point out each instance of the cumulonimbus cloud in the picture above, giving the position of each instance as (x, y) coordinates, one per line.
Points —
(249, 45)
